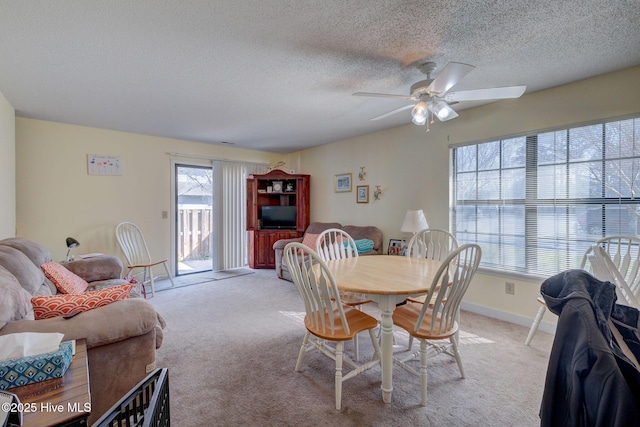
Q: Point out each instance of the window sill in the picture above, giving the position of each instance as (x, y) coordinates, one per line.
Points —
(512, 275)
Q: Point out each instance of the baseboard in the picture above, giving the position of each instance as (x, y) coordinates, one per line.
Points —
(516, 319)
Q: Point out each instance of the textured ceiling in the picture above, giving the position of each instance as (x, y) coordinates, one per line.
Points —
(278, 75)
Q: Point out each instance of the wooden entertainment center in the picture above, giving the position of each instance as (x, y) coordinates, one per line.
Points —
(276, 188)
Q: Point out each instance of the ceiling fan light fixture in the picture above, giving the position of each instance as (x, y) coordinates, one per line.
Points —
(419, 113)
(433, 95)
(442, 110)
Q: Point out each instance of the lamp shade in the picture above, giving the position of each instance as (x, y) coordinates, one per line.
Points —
(414, 221)
(72, 243)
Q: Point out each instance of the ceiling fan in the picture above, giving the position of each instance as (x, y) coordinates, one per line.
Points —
(432, 95)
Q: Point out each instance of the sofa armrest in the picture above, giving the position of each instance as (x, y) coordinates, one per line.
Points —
(112, 323)
(280, 244)
(278, 247)
(101, 267)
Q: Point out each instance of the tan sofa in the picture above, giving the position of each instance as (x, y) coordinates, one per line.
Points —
(122, 337)
(355, 231)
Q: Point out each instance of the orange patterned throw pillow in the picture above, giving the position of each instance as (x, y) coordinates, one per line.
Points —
(45, 307)
(66, 281)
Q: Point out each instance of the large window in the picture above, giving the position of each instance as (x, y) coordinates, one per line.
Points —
(536, 203)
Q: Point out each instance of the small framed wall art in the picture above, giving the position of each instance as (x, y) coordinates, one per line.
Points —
(362, 194)
(342, 183)
(103, 165)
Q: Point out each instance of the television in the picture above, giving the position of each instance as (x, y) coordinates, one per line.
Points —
(282, 217)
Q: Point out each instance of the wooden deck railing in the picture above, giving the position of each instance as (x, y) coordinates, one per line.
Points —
(194, 234)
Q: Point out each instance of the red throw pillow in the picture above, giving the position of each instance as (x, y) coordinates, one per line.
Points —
(66, 281)
(45, 307)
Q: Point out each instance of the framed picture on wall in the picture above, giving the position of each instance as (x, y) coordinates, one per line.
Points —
(362, 194)
(342, 182)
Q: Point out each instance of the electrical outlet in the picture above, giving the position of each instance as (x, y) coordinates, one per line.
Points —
(510, 288)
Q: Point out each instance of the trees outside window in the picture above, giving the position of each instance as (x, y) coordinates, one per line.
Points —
(536, 203)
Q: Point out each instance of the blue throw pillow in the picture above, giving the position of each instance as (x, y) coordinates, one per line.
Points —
(364, 245)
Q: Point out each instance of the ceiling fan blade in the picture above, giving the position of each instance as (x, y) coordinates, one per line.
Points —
(451, 74)
(484, 94)
(397, 110)
(442, 111)
(384, 95)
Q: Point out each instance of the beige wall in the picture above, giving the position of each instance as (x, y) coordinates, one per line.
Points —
(7, 169)
(412, 167)
(56, 198)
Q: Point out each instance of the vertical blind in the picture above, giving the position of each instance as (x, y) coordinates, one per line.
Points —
(536, 203)
(230, 216)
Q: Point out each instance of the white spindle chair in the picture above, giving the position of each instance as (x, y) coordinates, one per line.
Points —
(326, 318)
(436, 324)
(606, 269)
(430, 243)
(132, 243)
(624, 254)
(334, 243)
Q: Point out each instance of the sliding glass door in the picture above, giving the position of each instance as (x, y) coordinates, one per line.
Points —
(193, 205)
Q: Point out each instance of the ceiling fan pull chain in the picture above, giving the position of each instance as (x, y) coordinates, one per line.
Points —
(431, 109)
(427, 122)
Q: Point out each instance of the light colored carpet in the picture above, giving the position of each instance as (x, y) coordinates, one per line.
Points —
(196, 279)
(231, 347)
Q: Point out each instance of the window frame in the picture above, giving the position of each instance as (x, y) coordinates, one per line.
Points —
(531, 201)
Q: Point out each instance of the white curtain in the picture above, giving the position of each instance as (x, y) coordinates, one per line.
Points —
(230, 212)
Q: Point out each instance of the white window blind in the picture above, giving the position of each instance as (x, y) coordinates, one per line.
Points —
(536, 203)
(230, 211)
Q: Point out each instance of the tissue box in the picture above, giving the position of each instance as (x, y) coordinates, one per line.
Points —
(31, 369)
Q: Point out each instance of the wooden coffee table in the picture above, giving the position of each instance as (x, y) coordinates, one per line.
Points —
(64, 401)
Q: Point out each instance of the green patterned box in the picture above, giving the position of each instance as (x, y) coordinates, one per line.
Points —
(31, 369)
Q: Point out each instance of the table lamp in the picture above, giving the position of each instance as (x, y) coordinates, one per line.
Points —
(414, 221)
(71, 243)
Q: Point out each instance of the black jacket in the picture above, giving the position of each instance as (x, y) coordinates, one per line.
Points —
(590, 382)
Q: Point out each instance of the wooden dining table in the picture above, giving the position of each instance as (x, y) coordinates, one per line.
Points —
(387, 280)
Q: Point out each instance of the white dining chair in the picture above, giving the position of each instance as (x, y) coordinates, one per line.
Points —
(624, 253)
(334, 243)
(327, 319)
(606, 269)
(429, 243)
(436, 324)
(134, 247)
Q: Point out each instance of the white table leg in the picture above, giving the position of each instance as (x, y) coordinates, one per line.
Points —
(387, 303)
